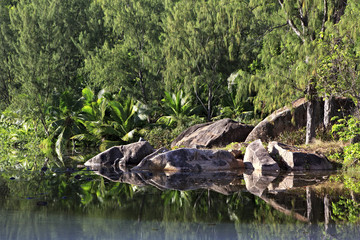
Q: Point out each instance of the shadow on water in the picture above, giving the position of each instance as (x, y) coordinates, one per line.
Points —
(105, 203)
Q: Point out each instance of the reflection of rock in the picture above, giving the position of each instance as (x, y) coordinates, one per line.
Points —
(297, 159)
(286, 183)
(190, 160)
(291, 202)
(117, 175)
(216, 181)
(259, 158)
(217, 134)
(256, 183)
(223, 182)
(125, 154)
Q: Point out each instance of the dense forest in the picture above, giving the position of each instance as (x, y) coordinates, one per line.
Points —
(90, 73)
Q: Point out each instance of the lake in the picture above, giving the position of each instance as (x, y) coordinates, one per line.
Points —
(109, 203)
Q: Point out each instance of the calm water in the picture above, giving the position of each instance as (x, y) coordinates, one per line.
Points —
(110, 204)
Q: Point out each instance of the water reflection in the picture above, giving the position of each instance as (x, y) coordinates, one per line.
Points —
(293, 193)
(106, 203)
(222, 182)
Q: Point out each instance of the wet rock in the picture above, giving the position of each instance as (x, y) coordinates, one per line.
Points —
(130, 154)
(190, 160)
(298, 159)
(216, 134)
(258, 158)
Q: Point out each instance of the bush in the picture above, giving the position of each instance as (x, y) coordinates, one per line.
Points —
(161, 135)
(19, 142)
(292, 138)
(347, 129)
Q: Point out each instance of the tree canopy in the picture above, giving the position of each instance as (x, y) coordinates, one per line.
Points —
(274, 50)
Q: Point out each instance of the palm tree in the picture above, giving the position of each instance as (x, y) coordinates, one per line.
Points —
(177, 108)
(65, 122)
(109, 119)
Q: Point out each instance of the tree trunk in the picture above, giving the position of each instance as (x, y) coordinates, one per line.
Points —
(309, 204)
(328, 111)
(330, 228)
(209, 104)
(310, 122)
(310, 112)
(327, 212)
(142, 86)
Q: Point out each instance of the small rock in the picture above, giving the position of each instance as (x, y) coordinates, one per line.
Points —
(259, 158)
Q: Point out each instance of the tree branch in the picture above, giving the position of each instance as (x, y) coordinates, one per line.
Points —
(324, 17)
(302, 17)
(199, 99)
(292, 25)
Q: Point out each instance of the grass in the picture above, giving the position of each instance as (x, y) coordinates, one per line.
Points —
(326, 148)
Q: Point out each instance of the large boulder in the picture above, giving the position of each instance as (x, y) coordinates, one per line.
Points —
(258, 158)
(294, 117)
(216, 134)
(130, 154)
(284, 119)
(297, 159)
(190, 160)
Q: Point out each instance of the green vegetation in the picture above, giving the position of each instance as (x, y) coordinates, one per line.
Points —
(347, 207)
(84, 74)
(348, 130)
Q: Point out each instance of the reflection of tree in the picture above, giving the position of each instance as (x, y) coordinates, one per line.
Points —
(346, 207)
(171, 212)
